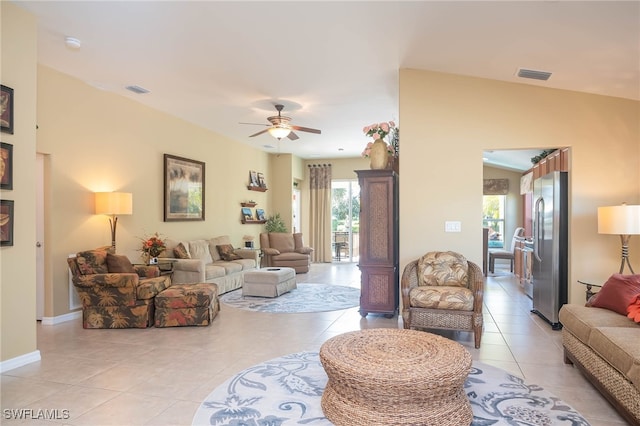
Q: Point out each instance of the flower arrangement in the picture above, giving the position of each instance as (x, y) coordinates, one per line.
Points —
(379, 131)
(153, 246)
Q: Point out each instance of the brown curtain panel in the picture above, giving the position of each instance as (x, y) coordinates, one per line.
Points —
(320, 211)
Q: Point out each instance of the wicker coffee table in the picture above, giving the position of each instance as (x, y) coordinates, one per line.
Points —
(389, 376)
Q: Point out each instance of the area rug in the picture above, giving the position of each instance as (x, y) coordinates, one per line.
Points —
(288, 390)
(306, 298)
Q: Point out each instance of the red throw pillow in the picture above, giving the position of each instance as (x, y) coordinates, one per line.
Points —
(633, 310)
(617, 293)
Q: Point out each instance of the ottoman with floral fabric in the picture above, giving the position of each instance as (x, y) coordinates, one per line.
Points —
(187, 304)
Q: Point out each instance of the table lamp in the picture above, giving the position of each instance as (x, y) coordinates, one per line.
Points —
(620, 220)
(113, 204)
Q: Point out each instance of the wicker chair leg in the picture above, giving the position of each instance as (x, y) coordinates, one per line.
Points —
(477, 335)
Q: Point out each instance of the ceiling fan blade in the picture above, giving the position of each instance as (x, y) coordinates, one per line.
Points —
(306, 129)
(259, 133)
(292, 136)
(256, 124)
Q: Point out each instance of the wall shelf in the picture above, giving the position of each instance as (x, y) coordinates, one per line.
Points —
(248, 204)
(245, 222)
(256, 188)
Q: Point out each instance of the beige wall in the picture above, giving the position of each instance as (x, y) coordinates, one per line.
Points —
(448, 120)
(17, 276)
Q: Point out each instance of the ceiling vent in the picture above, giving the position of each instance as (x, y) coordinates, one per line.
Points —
(137, 89)
(533, 74)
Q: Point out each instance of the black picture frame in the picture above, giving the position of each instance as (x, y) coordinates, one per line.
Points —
(6, 109)
(6, 222)
(6, 166)
(184, 189)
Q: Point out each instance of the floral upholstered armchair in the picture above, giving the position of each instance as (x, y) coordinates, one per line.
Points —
(443, 290)
(114, 293)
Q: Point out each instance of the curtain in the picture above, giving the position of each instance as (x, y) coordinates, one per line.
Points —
(320, 211)
(495, 187)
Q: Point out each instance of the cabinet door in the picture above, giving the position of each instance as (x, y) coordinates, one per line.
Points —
(380, 294)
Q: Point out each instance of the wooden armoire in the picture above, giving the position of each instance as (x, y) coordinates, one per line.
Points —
(379, 248)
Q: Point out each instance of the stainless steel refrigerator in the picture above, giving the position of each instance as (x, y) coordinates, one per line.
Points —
(550, 242)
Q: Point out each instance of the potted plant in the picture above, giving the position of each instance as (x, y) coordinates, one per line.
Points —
(275, 224)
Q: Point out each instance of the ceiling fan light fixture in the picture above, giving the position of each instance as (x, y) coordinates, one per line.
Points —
(279, 132)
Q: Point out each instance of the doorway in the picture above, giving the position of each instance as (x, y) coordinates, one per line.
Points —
(345, 220)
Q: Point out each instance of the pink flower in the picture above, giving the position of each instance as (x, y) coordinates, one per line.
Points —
(392, 124)
(375, 136)
(384, 127)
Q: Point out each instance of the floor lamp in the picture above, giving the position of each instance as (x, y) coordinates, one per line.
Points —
(620, 220)
(113, 204)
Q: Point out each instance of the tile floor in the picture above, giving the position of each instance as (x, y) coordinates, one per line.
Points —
(160, 376)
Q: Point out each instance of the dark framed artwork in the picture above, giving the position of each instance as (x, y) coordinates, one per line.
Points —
(6, 109)
(184, 189)
(6, 222)
(6, 166)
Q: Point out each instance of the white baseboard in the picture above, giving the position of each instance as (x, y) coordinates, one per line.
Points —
(19, 361)
(61, 318)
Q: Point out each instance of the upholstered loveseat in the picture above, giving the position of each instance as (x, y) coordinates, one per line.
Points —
(284, 250)
(114, 293)
(605, 346)
(202, 261)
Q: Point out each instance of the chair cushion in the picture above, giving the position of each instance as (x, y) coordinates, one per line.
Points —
(281, 241)
(441, 297)
(227, 253)
(443, 268)
(92, 262)
(117, 263)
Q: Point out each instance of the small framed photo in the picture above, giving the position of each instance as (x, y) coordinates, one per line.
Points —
(6, 166)
(247, 214)
(253, 178)
(183, 189)
(6, 109)
(261, 181)
(260, 214)
(6, 222)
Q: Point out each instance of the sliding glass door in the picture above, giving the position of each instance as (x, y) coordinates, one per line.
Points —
(345, 220)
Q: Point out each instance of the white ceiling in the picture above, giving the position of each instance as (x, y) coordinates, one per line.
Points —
(334, 65)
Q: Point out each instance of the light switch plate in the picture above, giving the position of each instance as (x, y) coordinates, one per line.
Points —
(453, 226)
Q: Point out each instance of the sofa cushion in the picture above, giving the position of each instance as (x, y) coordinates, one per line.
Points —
(117, 263)
(181, 252)
(291, 256)
(217, 241)
(229, 267)
(281, 241)
(246, 263)
(441, 297)
(580, 320)
(199, 249)
(227, 253)
(213, 271)
(617, 293)
(92, 262)
(620, 347)
(443, 268)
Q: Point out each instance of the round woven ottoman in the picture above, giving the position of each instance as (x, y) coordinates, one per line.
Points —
(390, 376)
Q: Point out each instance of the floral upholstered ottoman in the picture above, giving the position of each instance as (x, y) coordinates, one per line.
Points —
(187, 304)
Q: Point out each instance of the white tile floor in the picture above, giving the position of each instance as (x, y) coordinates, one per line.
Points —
(160, 376)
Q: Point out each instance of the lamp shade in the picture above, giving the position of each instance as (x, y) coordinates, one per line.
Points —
(114, 203)
(619, 220)
(279, 132)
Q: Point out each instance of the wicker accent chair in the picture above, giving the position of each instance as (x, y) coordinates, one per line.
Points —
(443, 290)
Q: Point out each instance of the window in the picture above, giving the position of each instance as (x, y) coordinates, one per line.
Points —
(345, 220)
(493, 218)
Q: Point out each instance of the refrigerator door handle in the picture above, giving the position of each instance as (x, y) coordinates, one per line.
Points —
(538, 231)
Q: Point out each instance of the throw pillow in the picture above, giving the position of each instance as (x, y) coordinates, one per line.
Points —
(633, 310)
(92, 262)
(119, 264)
(617, 293)
(180, 252)
(227, 253)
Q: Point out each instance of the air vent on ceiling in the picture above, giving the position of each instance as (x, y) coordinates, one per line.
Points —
(137, 89)
(536, 75)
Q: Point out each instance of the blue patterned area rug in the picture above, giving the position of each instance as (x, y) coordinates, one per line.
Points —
(288, 390)
(306, 298)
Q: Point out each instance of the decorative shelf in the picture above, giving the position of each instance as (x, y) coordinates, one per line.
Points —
(256, 188)
(248, 204)
(253, 221)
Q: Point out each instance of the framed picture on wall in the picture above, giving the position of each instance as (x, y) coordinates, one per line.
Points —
(260, 214)
(261, 181)
(183, 189)
(253, 178)
(6, 166)
(6, 109)
(6, 222)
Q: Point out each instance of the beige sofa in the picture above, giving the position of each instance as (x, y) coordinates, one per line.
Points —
(205, 264)
(605, 346)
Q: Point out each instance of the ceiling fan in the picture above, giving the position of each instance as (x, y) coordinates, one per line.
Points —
(280, 127)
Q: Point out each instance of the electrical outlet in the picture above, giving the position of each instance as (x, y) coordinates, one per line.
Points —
(453, 226)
